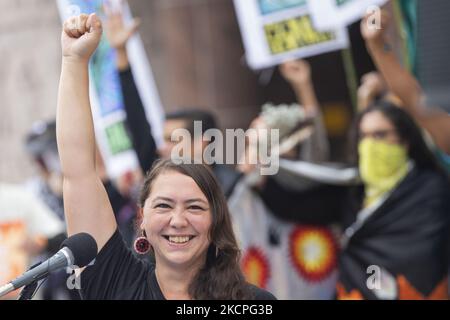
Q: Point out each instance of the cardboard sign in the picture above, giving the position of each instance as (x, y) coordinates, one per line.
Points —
(274, 31)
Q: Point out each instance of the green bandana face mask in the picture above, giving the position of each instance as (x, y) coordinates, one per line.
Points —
(381, 166)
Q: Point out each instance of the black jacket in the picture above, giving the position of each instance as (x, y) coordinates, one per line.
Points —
(407, 236)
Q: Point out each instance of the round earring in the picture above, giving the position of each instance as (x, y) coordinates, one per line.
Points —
(141, 244)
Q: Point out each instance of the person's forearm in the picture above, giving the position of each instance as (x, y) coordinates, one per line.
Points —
(75, 130)
(139, 127)
(399, 80)
(306, 96)
(122, 59)
(86, 204)
(403, 84)
(437, 123)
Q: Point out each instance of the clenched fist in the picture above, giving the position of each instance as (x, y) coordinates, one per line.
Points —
(81, 36)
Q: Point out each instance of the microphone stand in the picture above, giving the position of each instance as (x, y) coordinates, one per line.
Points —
(29, 290)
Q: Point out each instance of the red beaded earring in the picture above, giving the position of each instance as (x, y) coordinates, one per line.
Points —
(141, 244)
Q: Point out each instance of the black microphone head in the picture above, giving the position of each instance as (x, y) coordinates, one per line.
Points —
(83, 247)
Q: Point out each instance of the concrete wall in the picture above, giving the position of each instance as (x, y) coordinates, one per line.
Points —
(197, 56)
(29, 71)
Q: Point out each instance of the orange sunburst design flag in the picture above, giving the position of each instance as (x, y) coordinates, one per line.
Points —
(255, 267)
(342, 294)
(313, 252)
(408, 292)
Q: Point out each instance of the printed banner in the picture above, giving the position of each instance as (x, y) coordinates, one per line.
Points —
(328, 14)
(293, 261)
(274, 31)
(106, 95)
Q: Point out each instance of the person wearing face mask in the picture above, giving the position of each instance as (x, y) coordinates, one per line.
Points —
(395, 226)
(184, 217)
(400, 229)
(401, 83)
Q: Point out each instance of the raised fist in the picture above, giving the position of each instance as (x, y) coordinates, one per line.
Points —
(372, 30)
(296, 72)
(81, 36)
(372, 86)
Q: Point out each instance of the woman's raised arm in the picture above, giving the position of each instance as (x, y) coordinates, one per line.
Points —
(86, 203)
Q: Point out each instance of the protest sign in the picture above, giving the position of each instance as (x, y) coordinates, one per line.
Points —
(274, 31)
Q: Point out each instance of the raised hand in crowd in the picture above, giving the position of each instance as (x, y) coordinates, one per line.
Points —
(118, 32)
(402, 83)
(80, 38)
(372, 86)
(380, 47)
(298, 74)
(86, 203)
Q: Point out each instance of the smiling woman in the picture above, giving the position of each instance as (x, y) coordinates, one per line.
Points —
(185, 219)
(183, 210)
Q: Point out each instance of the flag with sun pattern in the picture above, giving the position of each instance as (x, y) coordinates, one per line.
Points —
(290, 260)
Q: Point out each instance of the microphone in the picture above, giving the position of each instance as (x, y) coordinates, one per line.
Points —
(78, 250)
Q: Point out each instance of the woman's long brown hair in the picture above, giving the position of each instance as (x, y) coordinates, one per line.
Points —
(221, 276)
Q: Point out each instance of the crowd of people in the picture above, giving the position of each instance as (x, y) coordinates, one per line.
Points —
(194, 231)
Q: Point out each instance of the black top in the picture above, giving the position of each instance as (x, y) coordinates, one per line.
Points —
(323, 204)
(118, 275)
(407, 236)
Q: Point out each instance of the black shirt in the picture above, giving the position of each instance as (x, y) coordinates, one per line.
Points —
(321, 205)
(118, 275)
